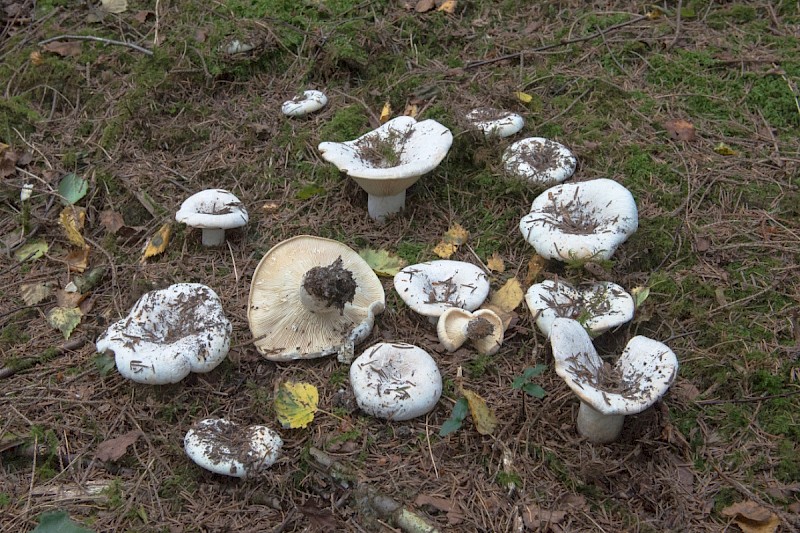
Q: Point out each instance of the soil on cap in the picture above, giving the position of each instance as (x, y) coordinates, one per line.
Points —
(333, 284)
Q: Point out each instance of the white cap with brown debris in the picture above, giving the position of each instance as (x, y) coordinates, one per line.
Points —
(226, 448)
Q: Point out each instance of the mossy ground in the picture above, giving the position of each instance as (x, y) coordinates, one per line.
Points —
(718, 244)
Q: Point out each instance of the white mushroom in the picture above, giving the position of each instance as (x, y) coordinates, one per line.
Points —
(312, 297)
(388, 160)
(214, 211)
(433, 287)
(483, 328)
(396, 381)
(638, 379)
(539, 160)
(168, 334)
(598, 306)
(309, 102)
(580, 221)
(226, 448)
(495, 122)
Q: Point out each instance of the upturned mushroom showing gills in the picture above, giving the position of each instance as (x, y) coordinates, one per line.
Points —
(390, 159)
(580, 221)
(213, 211)
(432, 288)
(495, 122)
(311, 297)
(396, 381)
(539, 161)
(482, 328)
(598, 306)
(168, 334)
(609, 393)
(226, 448)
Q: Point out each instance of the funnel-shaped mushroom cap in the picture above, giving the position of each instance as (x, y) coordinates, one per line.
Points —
(539, 160)
(212, 208)
(397, 381)
(287, 323)
(580, 221)
(388, 160)
(641, 375)
(226, 448)
(433, 287)
(495, 122)
(484, 328)
(168, 334)
(598, 306)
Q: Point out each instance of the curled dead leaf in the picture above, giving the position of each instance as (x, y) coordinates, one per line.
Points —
(680, 129)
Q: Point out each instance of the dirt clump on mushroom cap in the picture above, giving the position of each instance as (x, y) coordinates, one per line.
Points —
(479, 328)
(333, 284)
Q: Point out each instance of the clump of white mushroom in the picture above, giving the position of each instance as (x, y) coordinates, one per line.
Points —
(482, 328)
(608, 393)
(495, 122)
(213, 211)
(309, 102)
(226, 448)
(580, 221)
(539, 161)
(168, 334)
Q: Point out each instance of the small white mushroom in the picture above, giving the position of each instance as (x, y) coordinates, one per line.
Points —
(214, 211)
(495, 122)
(483, 328)
(168, 334)
(609, 393)
(309, 102)
(390, 159)
(580, 221)
(226, 448)
(433, 287)
(539, 160)
(396, 381)
(598, 306)
(312, 297)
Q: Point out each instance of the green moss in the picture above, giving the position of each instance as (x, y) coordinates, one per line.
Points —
(347, 124)
(788, 468)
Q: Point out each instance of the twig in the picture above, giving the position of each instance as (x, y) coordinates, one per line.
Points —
(515, 55)
(677, 25)
(28, 362)
(748, 400)
(97, 39)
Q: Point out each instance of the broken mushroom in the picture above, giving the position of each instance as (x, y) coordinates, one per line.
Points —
(598, 306)
(396, 381)
(580, 221)
(483, 328)
(168, 334)
(608, 393)
(432, 288)
(311, 297)
(309, 102)
(226, 448)
(388, 160)
(495, 122)
(213, 211)
(539, 161)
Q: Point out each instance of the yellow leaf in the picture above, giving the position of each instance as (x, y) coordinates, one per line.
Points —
(509, 296)
(383, 263)
(525, 98)
(295, 404)
(455, 236)
(78, 259)
(495, 263)
(535, 267)
(386, 112)
(33, 293)
(448, 6)
(483, 417)
(64, 319)
(654, 14)
(158, 242)
(411, 110)
(445, 249)
(31, 251)
(724, 149)
(72, 219)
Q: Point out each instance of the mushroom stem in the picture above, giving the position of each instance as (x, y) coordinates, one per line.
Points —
(213, 236)
(597, 427)
(380, 207)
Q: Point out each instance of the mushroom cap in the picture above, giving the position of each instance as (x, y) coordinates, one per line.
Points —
(453, 332)
(310, 102)
(641, 375)
(580, 221)
(226, 448)
(495, 122)
(598, 306)
(417, 147)
(539, 160)
(396, 381)
(284, 328)
(433, 287)
(212, 209)
(168, 334)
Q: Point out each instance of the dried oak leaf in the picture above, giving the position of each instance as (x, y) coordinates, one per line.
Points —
(680, 129)
(113, 449)
(752, 518)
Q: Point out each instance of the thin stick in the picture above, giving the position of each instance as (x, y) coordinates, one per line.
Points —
(97, 39)
(748, 400)
(26, 363)
(677, 25)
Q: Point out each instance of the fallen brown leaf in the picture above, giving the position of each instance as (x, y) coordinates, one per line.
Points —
(680, 129)
(113, 449)
(64, 48)
(535, 268)
(752, 517)
(536, 518)
(111, 220)
(424, 5)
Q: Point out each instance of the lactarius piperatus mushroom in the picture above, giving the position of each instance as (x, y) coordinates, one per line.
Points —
(608, 393)
(482, 328)
(226, 448)
(299, 106)
(539, 161)
(580, 221)
(213, 211)
(311, 297)
(396, 381)
(390, 159)
(495, 122)
(168, 334)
